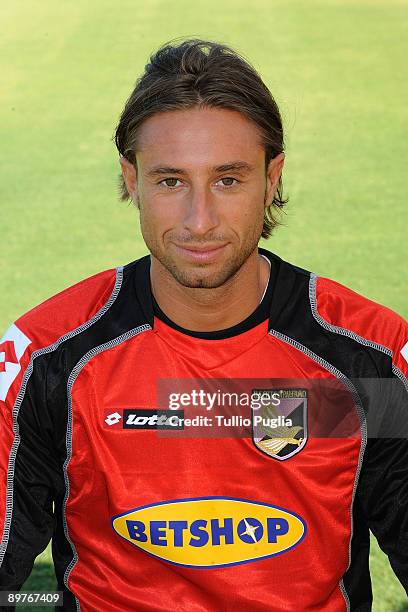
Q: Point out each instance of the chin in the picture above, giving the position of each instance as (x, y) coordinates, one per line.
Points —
(201, 283)
(201, 280)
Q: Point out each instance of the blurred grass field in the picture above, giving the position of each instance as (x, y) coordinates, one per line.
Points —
(337, 69)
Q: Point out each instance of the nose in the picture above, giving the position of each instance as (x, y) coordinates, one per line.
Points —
(201, 214)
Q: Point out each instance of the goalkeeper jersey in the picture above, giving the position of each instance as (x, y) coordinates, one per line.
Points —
(118, 443)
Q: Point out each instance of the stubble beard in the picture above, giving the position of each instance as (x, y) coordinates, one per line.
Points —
(194, 278)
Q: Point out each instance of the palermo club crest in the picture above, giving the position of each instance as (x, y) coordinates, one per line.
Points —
(279, 421)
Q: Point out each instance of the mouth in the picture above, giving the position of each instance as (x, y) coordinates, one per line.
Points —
(203, 254)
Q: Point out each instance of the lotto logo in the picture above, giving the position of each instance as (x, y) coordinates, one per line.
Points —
(12, 347)
(404, 351)
(7, 354)
(113, 418)
(144, 419)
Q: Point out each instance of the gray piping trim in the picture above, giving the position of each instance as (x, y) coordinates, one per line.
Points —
(334, 328)
(363, 426)
(20, 397)
(401, 376)
(346, 332)
(71, 380)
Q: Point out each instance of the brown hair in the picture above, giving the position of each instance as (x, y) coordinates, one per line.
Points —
(182, 76)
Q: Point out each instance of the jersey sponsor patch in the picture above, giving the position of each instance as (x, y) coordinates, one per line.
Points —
(12, 347)
(404, 351)
(279, 421)
(211, 532)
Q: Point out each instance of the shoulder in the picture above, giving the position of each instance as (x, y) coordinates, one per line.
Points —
(348, 312)
(70, 308)
(43, 327)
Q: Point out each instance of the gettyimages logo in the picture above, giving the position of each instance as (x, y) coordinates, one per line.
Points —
(143, 418)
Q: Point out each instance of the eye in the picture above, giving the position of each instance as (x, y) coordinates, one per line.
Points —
(169, 179)
(230, 178)
(165, 182)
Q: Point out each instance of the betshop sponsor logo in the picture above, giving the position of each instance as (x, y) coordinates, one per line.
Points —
(210, 532)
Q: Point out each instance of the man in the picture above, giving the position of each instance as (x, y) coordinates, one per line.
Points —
(150, 513)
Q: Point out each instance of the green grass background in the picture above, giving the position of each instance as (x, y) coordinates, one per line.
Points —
(337, 69)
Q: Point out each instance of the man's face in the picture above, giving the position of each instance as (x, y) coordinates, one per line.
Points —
(200, 218)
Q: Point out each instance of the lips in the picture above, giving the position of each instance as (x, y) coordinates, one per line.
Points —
(200, 253)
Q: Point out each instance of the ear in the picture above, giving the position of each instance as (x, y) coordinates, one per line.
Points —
(130, 177)
(273, 174)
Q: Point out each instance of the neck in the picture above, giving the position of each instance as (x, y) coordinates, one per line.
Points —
(211, 309)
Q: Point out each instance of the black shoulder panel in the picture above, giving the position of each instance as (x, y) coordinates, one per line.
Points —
(365, 367)
(43, 421)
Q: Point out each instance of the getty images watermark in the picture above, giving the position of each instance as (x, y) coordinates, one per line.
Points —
(233, 408)
(278, 414)
(291, 409)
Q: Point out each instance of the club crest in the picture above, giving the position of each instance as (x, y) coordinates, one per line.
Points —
(279, 421)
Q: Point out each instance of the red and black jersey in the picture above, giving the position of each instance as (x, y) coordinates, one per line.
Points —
(147, 513)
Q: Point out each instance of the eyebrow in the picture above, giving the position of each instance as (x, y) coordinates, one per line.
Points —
(235, 166)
